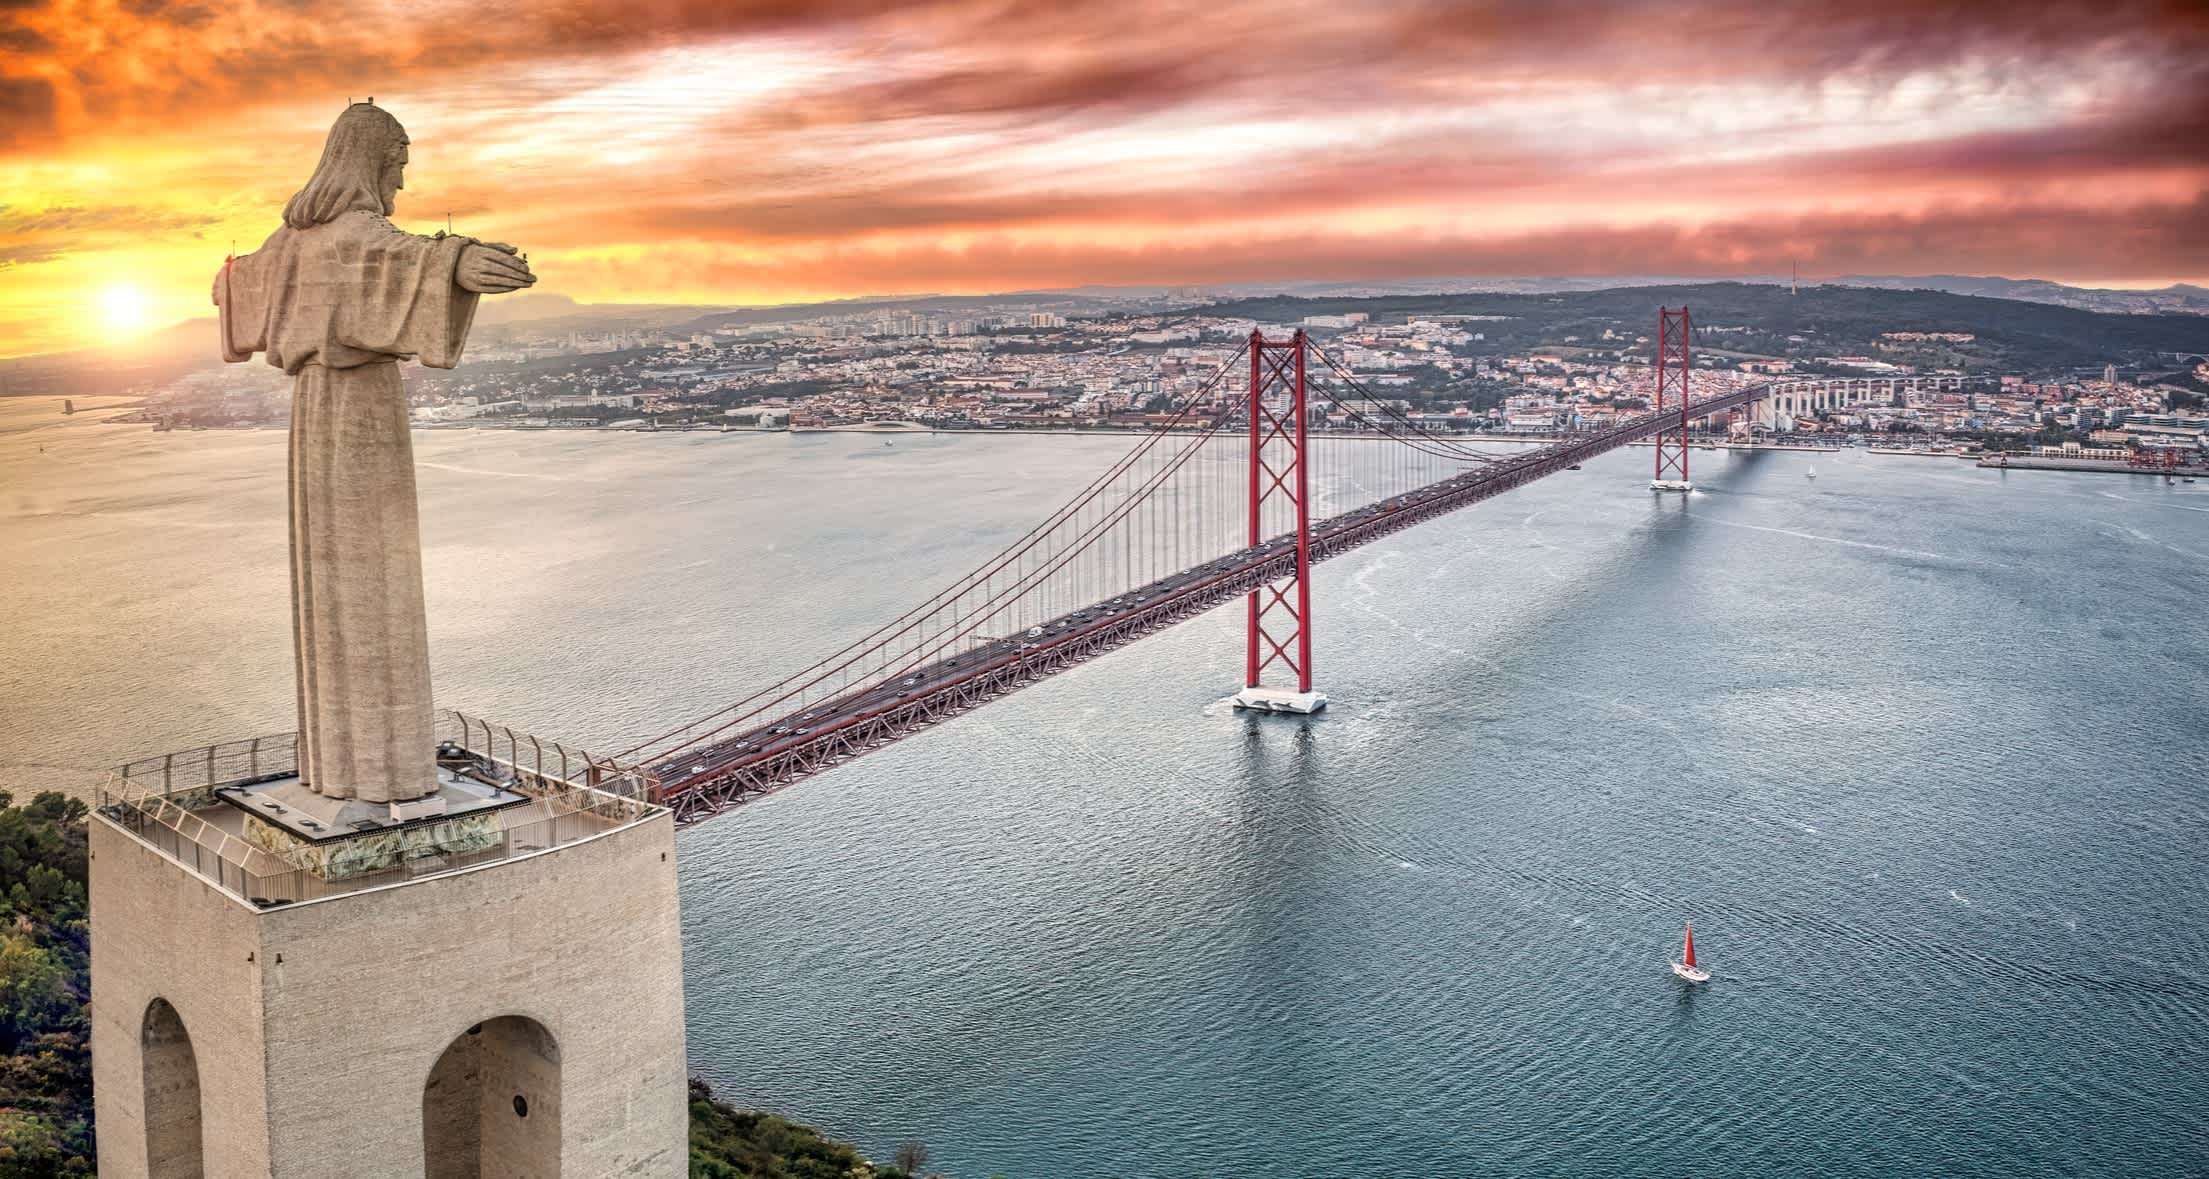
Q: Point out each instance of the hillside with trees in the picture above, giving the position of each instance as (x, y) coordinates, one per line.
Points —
(45, 980)
(1758, 320)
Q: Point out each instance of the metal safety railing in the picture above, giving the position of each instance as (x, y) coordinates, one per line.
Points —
(169, 802)
(548, 762)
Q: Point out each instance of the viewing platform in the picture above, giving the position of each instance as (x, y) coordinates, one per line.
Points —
(237, 814)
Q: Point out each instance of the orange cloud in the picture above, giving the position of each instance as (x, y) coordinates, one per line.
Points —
(757, 149)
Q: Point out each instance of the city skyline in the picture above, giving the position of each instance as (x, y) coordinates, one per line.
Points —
(771, 152)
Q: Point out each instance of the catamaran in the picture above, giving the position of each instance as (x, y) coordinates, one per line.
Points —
(1688, 970)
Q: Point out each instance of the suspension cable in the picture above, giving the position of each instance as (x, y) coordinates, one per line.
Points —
(1393, 413)
(904, 623)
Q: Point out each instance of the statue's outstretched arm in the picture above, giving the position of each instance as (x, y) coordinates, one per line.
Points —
(487, 271)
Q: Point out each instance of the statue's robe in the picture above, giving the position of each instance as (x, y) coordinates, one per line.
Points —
(338, 306)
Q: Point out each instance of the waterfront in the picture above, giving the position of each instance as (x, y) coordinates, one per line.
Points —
(1916, 745)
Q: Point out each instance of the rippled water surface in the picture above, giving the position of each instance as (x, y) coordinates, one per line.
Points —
(1919, 748)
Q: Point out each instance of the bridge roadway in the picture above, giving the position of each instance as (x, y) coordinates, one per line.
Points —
(704, 779)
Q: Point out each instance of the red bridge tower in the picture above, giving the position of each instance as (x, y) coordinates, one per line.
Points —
(1672, 334)
(1280, 611)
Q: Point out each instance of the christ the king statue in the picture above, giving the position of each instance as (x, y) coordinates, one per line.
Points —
(337, 297)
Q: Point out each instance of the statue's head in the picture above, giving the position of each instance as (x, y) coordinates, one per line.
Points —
(363, 166)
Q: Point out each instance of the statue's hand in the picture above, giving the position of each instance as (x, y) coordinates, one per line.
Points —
(502, 247)
(488, 272)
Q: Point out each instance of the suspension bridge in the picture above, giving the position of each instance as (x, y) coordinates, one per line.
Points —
(1237, 496)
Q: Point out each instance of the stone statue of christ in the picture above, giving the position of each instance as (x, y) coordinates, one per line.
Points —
(336, 297)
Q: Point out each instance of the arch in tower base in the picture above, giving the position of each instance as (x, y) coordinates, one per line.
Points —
(491, 1105)
(173, 1143)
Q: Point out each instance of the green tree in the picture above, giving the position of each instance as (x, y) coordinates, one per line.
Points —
(728, 1143)
(45, 982)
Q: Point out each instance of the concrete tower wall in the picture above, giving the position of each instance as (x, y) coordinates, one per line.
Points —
(318, 1026)
(160, 931)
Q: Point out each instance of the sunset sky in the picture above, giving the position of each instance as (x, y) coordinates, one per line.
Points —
(775, 150)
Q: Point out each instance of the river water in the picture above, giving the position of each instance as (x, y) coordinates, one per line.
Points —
(1919, 748)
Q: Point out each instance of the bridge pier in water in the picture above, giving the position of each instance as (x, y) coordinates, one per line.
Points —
(1280, 630)
(1672, 333)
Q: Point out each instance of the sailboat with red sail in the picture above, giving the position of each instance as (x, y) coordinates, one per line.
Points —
(1688, 969)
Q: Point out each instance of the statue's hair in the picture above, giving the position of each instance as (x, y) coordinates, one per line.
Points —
(361, 142)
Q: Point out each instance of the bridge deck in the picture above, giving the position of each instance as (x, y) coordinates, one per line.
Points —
(702, 780)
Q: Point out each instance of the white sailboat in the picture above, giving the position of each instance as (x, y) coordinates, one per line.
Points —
(1812, 473)
(1688, 970)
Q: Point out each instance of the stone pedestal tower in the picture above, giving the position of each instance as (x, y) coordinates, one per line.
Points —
(493, 995)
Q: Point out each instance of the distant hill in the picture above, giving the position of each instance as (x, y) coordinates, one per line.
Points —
(2172, 319)
(157, 356)
(536, 309)
(2183, 298)
(2180, 297)
(1466, 285)
(1827, 320)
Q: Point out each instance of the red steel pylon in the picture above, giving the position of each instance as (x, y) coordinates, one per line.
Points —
(1672, 337)
(1280, 613)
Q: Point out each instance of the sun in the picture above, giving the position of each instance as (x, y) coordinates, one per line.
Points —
(124, 308)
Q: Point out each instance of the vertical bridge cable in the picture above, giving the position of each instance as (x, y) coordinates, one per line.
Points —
(875, 653)
(1404, 429)
(1130, 510)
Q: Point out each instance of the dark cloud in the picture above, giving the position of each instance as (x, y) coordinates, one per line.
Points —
(751, 197)
(14, 254)
(1002, 89)
(1054, 58)
(752, 201)
(2155, 241)
(37, 235)
(107, 219)
(1809, 39)
(2061, 137)
(26, 111)
(2101, 144)
(181, 15)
